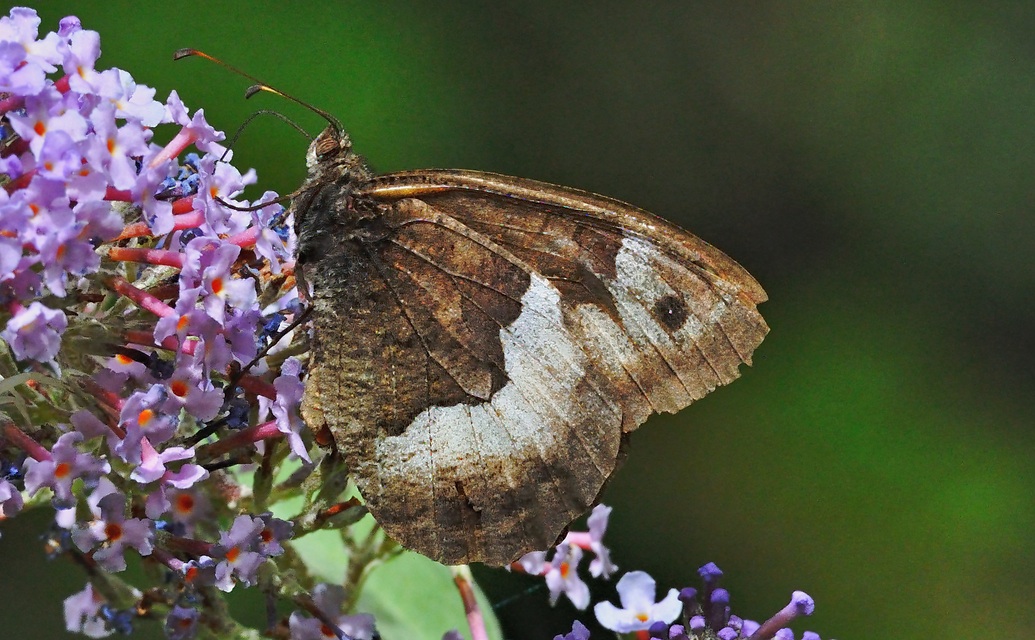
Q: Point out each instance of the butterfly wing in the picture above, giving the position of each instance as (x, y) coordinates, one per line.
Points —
(506, 335)
(667, 316)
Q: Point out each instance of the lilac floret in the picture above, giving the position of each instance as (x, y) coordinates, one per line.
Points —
(562, 576)
(601, 566)
(181, 623)
(112, 530)
(710, 573)
(578, 632)
(10, 499)
(636, 591)
(718, 608)
(239, 561)
(273, 533)
(285, 408)
(801, 604)
(34, 332)
(66, 464)
(677, 632)
(82, 613)
(658, 630)
(69, 25)
(329, 600)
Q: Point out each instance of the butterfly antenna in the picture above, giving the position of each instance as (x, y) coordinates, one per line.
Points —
(248, 121)
(262, 86)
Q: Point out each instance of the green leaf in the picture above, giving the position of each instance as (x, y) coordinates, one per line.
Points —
(410, 596)
(414, 597)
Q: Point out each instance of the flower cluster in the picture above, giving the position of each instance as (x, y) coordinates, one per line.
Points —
(678, 616)
(142, 362)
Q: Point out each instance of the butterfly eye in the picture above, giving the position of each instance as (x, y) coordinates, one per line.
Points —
(326, 146)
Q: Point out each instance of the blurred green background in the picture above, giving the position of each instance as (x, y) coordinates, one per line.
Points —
(869, 162)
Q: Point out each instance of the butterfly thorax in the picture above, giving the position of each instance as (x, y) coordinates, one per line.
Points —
(324, 209)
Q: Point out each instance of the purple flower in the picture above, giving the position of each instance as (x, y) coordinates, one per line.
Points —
(274, 531)
(563, 577)
(82, 613)
(113, 147)
(223, 182)
(145, 414)
(239, 330)
(207, 263)
(533, 562)
(237, 550)
(152, 467)
(24, 60)
(601, 566)
(578, 632)
(285, 408)
(34, 332)
(112, 530)
(718, 608)
(198, 573)
(270, 244)
(801, 604)
(69, 25)
(749, 627)
(185, 507)
(329, 599)
(181, 623)
(636, 592)
(46, 112)
(135, 102)
(66, 464)
(200, 131)
(65, 252)
(189, 319)
(710, 573)
(84, 47)
(10, 499)
(192, 390)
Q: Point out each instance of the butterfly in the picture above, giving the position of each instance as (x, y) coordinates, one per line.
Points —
(482, 345)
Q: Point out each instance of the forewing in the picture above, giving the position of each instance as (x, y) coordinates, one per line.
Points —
(662, 316)
(470, 412)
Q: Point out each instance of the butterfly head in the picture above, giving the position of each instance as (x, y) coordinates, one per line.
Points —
(328, 148)
(330, 157)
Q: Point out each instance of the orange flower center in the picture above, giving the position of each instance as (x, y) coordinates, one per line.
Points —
(113, 531)
(185, 503)
(179, 388)
(62, 469)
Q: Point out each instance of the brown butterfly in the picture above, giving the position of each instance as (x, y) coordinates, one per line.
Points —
(483, 344)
